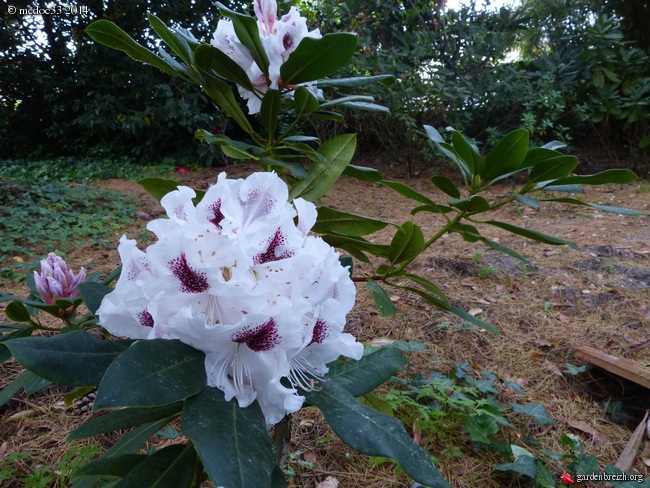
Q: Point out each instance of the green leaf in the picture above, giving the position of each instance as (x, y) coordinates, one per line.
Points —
(304, 101)
(382, 300)
(553, 169)
(531, 234)
(270, 111)
(467, 153)
(508, 155)
(441, 209)
(75, 359)
(369, 372)
(296, 169)
(504, 249)
(178, 43)
(150, 373)
(363, 173)
(620, 176)
(544, 478)
(407, 191)
(107, 33)
(358, 81)
(539, 155)
(564, 188)
(473, 320)
(5, 353)
(318, 58)
(373, 401)
(344, 223)
(158, 187)
(471, 204)
(222, 94)
(33, 383)
(92, 294)
(407, 243)
(535, 410)
(448, 150)
(132, 441)
(327, 115)
(26, 380)
(232, 442)
(446, 185)
(430, 287)
(338, 151)
(210, 59)
(373, 433)
(585, 464)
(370, 107)
(349, 98)
(604, 208)
(356, 246)
(17, 312)
(171, 467)
(527, 200)
(123, 419)
(248, 34)
(118, 466)
(481, 427)
(526, 465)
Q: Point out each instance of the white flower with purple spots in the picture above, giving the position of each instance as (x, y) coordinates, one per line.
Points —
(237, 278)
(279, 37)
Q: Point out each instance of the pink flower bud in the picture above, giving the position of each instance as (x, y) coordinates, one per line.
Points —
(56, 280)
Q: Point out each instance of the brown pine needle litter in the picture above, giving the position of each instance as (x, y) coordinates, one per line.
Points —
(597, 296)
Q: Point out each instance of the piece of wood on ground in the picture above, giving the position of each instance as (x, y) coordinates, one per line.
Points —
(626, 368)
(626, 459)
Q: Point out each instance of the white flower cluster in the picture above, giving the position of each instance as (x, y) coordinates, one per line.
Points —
(279, 37)
(236, 278)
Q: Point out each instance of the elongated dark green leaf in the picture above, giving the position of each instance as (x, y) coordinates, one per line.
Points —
(222, 94)
(432, 209)
(564, 188)
(604, 208)
(344, 223)
(318, 58)
(338, 151)
(171, 467)
(107, 33)
(552, 169)
(531, 234)
(446, 185)
(123, 419)
(151, 373)
(358, 81)
(248, 34)
(526, 465)
(508, 155)
(349, 98)
(407, 191)
(300, 138)
(407, 243)
(472, 204)
(373, 433)
(504, 249)
(620, 176)
(297, 169)
(385, 305)
(363, 173)
(327, 115)
(369, 372)
(435, 300)
(17, 312)
(5, 353)
(430, 287)
(232, 442)
(527, 200)
(118, 466)
(93, 294)
(467, 153)
(158, 187)
(75, 359)
(535, 410)
(178, 43)
(370, 107)
(473, 320)
(270, 111)
(132, 441)
(360, 243)
(304, 101)
(53, 309)
(448, 150)
(539, 155)
(210, 59)
(26, 380)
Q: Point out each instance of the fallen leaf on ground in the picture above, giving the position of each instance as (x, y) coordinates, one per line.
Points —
(310, 457)
(330, 482)
(475, 311)
(382, 341)
(599, 438)
(626, 459)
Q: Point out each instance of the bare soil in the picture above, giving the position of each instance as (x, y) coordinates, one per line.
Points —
(598, 296)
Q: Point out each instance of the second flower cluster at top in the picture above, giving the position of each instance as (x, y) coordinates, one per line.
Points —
(235, 277)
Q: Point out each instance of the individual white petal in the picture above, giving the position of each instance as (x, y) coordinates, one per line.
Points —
(307, 215)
